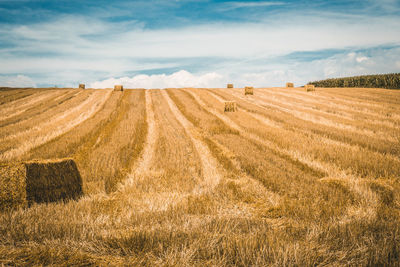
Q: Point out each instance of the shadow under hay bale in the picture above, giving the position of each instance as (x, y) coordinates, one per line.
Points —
(229, 85)
(289, 84)
(248, 90)
(230, 106)
(118, 88)
(81, 86)
(309, 87)
(25, 183)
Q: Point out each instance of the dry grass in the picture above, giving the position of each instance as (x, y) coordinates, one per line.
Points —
(18, 114)
(13, 146)
(41, 112)
(9, 96)
(291, 188)
(39, 181)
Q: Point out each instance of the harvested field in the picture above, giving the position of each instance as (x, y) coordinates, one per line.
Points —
(169, 178)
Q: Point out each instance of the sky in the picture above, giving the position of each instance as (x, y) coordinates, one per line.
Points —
(193, 43)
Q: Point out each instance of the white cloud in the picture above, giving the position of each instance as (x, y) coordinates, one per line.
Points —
(75, 49)
(178, 79)
(353, 64)
(80, 37)
(16, 81)
(361, 59)
(249, 73)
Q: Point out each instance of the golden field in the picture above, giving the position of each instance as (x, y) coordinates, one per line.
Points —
(293, 178)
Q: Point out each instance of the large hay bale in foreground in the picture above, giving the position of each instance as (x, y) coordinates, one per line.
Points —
(248, 90)
(23, 183)
(81, 86)
(118, 88)
(289, 84)
(230, 106)
(229, 85)
(309, 87)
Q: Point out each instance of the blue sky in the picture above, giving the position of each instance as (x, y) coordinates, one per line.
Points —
(157, 44)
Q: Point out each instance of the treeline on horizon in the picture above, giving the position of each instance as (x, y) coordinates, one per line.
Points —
(389, 81)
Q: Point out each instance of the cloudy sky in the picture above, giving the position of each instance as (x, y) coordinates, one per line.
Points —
(199, 43)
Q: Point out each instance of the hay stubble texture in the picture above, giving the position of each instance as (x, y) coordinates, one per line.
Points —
(118, 88)
(24, 183)
(309, 87)
(248, 90)
(230, 106)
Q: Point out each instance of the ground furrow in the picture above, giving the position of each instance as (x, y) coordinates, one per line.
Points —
(367, 205)
(329, 109)
(321, 146)
(305, 132)
(151, 138)
(10, 109)
(383, 145)
(19, 94)
(108, 156)
(144, 162)
(317, 119)
(32, 112)
(47, 111)
(209, 165)
(80, 113)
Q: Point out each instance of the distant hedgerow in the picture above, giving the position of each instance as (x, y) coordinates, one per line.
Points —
(389, 81)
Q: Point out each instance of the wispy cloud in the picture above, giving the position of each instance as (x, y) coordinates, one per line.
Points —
(72, 47)
(249, 4)
(16, 81)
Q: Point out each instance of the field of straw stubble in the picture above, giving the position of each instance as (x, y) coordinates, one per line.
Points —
(169, 178)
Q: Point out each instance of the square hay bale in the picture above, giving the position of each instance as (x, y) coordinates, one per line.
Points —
(248, 90)
(309, 87)
(288, 84)
(81, 86)
(230, 106)
(229, 85)
(118, 88)
(23, 183)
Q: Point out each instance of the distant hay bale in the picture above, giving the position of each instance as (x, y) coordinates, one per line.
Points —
(230, 106)
(248, 90)
(289, 84)
(118, 88)
(309, 87)
(81, 86)
(229, 85)
(23, 183)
